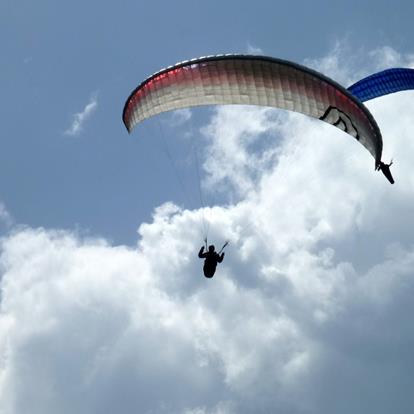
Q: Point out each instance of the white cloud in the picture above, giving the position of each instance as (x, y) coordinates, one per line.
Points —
(5, 217)
(340, 64)
(310, 311)
(240, 147)
(254, 50)
(80, 118)
(344, 62)
(180, 116)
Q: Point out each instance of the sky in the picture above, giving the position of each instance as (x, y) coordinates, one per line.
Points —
(103, 305)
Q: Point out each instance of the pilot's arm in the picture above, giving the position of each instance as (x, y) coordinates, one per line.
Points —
(201, 253)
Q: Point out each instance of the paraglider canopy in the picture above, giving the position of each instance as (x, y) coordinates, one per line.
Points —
(383, 83)
(253, 80)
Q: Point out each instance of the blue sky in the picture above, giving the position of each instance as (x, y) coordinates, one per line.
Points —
(57, 56)
(103, 305)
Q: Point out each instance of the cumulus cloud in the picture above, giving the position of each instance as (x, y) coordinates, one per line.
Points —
(6, 219)
(79, 119)
(309, 312)
(344, 62)
(239, 142)
(254, 50)
(180, 116)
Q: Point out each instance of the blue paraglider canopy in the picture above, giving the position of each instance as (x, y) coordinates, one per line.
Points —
(383, 83)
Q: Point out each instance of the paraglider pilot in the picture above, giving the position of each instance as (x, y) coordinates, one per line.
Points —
(211, 259)
(385, 168)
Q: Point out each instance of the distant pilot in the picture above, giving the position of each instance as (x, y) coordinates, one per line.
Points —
(211, 259)
(385, 168)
